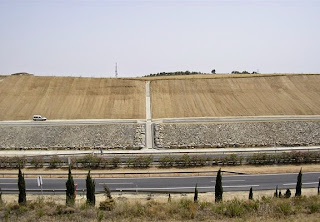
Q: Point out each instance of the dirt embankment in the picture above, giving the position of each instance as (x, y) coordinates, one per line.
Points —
(235, 96)
(71, 98)
(22, 96)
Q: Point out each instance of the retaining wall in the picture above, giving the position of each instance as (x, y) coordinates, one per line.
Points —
(246, 134)
(115, 136)
(166, 135)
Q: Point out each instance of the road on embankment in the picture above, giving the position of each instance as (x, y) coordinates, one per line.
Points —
(172, 184)
(165, 120)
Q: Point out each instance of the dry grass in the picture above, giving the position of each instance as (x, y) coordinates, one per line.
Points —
(71, 98)
(138, 208)
(236, 96)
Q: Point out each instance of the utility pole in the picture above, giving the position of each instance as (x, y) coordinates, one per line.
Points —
(116, 71)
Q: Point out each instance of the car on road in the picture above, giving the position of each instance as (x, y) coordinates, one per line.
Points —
(39, 118)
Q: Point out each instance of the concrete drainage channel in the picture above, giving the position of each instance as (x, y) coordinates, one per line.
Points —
(149, 124)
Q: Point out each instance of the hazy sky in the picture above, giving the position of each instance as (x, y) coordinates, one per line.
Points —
(87, 38)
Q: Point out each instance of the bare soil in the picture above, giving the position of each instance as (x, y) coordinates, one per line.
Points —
(21, 97)
(236, 96)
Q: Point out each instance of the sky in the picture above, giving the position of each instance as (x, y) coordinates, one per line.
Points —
(88, 37)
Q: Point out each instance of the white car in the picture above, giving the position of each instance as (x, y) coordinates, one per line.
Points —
(39, 118)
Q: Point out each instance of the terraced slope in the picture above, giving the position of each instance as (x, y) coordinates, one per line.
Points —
(71, 98)
(236, 96)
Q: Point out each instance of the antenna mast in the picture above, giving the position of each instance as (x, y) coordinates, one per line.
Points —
(116, 71)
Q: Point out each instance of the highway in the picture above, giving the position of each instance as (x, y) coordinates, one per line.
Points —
(172, 184)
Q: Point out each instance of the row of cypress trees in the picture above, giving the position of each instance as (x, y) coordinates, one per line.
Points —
(91, 199)
(219, 188)
(70, 192)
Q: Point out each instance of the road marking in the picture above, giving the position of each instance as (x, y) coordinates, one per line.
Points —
(230, 181)
(270, 174)
(176, 188)
(241, 186)
(308, 183)
(114, 183)
(165, 188)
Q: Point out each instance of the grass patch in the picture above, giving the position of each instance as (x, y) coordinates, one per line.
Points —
(182, 209)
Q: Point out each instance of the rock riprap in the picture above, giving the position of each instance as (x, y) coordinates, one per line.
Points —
(110, 136)
(244, 134)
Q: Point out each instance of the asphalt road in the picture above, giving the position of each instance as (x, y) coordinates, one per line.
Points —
(173, 184)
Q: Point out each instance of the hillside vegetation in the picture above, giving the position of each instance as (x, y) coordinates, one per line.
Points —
(238, 95)
(71, 98)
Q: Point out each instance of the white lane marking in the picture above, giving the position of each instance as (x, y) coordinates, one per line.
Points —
(241, 186)
(164, 188)
(231, 180)
(287, 184)
(176, 188)
(270, 174)
(115, 183)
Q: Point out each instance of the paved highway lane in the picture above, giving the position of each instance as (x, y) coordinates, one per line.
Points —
(175, 184)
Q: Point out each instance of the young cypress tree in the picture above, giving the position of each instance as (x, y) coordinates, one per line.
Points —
(280, 194)
(250, 194)
(218, 187)
(70, 194)
(195, 198)
(287, 194)
(22, 188)
(91, 188)
(299, 184)
(276, 193)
